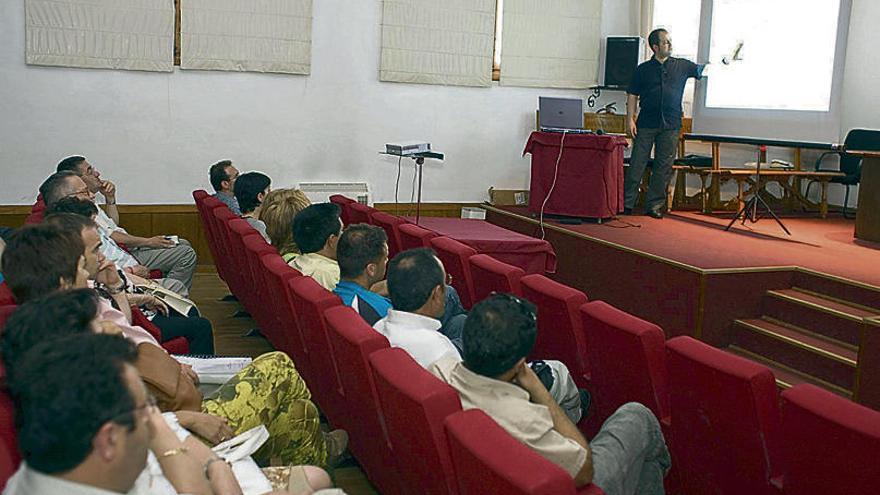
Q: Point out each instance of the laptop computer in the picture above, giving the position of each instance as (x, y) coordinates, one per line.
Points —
(561, 114)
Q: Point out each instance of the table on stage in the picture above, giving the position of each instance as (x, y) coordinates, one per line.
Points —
(589, 181)
(531, 254)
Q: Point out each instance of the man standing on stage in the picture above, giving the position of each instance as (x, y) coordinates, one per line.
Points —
(657, 85)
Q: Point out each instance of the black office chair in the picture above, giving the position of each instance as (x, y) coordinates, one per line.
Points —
(851, 165)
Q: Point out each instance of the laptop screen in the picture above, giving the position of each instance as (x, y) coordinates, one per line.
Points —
(560, 113)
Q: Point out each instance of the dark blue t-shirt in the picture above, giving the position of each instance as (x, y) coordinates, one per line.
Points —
(660, 88)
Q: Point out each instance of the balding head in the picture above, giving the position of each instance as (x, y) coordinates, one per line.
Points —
(64, 184)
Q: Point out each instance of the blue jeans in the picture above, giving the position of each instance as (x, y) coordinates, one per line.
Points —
(664, 142)
(629, 453)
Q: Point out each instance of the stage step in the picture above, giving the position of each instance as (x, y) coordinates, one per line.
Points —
(787, 377)
(864, 295)
(817, 313)
(799, 349)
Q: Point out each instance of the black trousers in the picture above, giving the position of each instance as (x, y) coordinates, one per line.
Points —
(195, 329)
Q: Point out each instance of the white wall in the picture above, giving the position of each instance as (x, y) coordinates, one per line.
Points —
(156, 134)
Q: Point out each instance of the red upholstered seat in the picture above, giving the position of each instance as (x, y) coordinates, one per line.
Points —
(627, 360)
(6, 311)
(344, 206)
(285, 336)
(490, 275)
(255, 247)
(310, 300)
(414, 403)
(389, 223)
(486, 459)
(9, 454)
(560, 333)
(177, 345)
(238, 230)
(725, 421)
(352, 341)
(38, 212)
(6, 296)
(222, 217)
(412, 236)
(359, 213)
(830, 444)
(205, 205)
(454, 256)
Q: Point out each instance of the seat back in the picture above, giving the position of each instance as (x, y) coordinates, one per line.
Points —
(7, 465)
(286, 336)
(830, 444)
(344, 207)
(858, 140)
(238, 230)
(725, 420)
(255, 248)
(352, 341)
(490, 275)
(6, 311)
(206, 215)
(454, 256)
(486, 459)
(560, 333)
(414, 403)
(222, 217)
(6, 295)
(627, 360)
(359, 213)
(8, 442)
(38, 212)
(389, 224)
(310, 300)
(412, 236)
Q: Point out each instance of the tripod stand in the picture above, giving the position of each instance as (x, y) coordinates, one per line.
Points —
(749, 211)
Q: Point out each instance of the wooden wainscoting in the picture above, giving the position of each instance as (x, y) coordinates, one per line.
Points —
(183, 220)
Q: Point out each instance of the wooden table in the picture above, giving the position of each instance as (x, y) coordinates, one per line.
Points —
(868, 210)
(789, 179)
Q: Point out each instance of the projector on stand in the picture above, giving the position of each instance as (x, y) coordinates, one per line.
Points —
(406, 149)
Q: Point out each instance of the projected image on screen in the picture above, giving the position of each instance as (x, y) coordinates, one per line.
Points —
(776, 55)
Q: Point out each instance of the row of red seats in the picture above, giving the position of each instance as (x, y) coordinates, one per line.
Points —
(728, 434)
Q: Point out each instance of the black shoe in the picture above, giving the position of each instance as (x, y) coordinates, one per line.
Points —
(627, 211)
(654, 213)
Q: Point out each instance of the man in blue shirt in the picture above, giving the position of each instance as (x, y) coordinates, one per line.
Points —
(362, 254)
(657, 87)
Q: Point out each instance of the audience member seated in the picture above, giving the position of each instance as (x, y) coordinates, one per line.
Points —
(111, 251)
(195, 329)
(223, 175)
(627, 456)
(418, 295)
(362, 254)
(279, 209)
(98, 431)
(176, 261)
(316, 231)
(250, 191)
(41, 259)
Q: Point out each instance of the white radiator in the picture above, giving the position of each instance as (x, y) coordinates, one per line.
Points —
(320, 192)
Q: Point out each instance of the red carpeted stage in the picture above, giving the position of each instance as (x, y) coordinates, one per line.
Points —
(797, 304)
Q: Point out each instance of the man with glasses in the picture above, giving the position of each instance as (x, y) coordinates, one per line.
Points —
(84, 432)
(418, 284)
(628, 455)
(176, 261)
(657, 88)
(223, 175)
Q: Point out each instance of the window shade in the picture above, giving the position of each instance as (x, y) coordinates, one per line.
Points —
(551, 43)
(431, 42)
(100, 34)
(246, 35)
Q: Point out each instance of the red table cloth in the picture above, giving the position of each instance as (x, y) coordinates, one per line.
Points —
(589, 182)
(531, 254)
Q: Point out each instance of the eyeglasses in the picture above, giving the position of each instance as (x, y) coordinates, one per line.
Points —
(81, 192)
(127, 417)
(525, 307)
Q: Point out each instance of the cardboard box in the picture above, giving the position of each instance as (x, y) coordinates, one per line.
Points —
(508, 197)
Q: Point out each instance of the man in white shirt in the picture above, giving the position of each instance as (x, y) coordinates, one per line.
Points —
(176, 259)
(416, 284)
(316, 231)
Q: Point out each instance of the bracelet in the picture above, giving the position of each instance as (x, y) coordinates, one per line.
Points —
(173, 452)
(212, 461)
(114, 291)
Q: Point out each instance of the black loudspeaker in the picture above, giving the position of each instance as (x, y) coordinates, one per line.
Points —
(622, 56)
